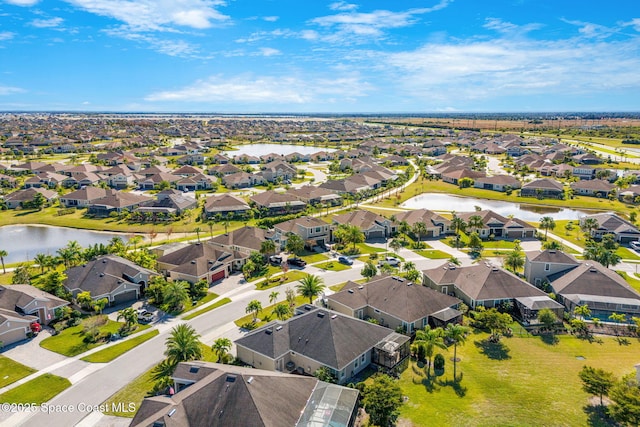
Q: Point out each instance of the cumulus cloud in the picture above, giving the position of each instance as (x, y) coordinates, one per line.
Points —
(156, 15)
(343, 6)
(266, 90)
(22, 2)
(6, 35)
(47, 23)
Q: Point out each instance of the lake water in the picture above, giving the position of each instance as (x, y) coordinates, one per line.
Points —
(284, 149)
(448, 203)
(22, 242)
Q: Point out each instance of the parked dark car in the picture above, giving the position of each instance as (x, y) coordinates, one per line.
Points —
(345, 260)
(275, 259)
(298, 262)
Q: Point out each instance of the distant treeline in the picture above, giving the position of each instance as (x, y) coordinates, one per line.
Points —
(631, 141)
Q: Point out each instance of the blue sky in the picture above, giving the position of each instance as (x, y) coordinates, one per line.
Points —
(245, 56)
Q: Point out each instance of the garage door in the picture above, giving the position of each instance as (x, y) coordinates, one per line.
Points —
(376, 234)
(13, 336)
(127, 296)
(217, 276)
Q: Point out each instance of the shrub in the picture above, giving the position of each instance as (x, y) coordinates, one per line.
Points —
(438, 362)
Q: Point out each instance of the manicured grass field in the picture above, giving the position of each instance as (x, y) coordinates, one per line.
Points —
(139, 388)
(110, 353)
(311, 257)
(521, 382)
(190, 306)
(39, 390)
(70, 342)
(332, 266)
(11, 371)
(266, 315)
(433, 254)
(292, 276)
(217, 304)
(635, 283)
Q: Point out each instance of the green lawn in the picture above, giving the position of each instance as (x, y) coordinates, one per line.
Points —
(366, 249)
(635, 283)
(312, 257)
(11, 371)
(70, 342)
(209, 297)
(523, 383)
(140, 387)
(433, 254)
(332, 266)
(266, 315)
(213, 306)
(292, 276)
(39, 390)
(110, 353)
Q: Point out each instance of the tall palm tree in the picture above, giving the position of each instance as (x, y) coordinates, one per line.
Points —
(458, 335)
(183, 344)
(588, 225)
(514, 261)
(430, 339)
(582, 310)
(198, 230)
(273, 297)
(221, 347)
(130, 317)
(3, 253)
(254, 307)
(349, 234)
(458, 226)
(175, 295)
(475, 222)
(419, 229)
(267, 247)
(547, 223)
(310, 287)
(282, 311)
(40, 259)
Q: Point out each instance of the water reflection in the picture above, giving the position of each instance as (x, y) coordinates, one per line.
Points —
(284, 149)
(448, 203)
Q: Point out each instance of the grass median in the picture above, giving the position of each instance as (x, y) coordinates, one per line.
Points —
(37, 391)
(11, 371)
(213, 306)
(110, 353)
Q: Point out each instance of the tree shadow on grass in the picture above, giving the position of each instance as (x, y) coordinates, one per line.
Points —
(549, 339)
(493, 350)
(458, 388)
(597, 416)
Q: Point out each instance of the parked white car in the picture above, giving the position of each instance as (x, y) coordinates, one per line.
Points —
(635, 245)
(393, 262)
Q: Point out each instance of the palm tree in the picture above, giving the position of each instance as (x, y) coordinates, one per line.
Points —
(347, 233)
(514, 261)
(134, 240)
(419, 229)
(282, 311)
(310, 287)
(130, 317)
(547, 223)
(430, 339)
(267, 247)
(273, 297)
(40, 259)
(404, 228)
(3, 253)
(175, 294)
(210, 224)
(409, 265)
(458, 335)
(99, 305)
(197, 230)
(183, 344)
(458, 226)
(475, 222)
(220, 347)
(588, 225)
(254, 307)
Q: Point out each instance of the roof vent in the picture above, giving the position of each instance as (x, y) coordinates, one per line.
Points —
(171, 412)
(231, 378)
(250, 380)
(334, 316)
(350, 291)
(194, 369)
(104, 261)
(268, 331)
(320, 314)
(552, 251)
(360, 287)
(494, 268)
(101, 274)
(278, 328)
(193, 261)
(451, 267)
(593, 270)
(410, 284)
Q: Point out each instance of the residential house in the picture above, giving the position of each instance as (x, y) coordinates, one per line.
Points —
(595, 188)
(210, 394)
(373, 226)
(116, 201)
(29, 300)
(587, 159)
(316, 196)
(82, 198)
(278, 170)
(479, 285)
(610, 223)
(19, 198)
(313, 231)
(497, 183)
(630, 194)
(395, 302)
(319, 338)
(151, 182)
(541, 264)
(242, 180)
(194, 183)
(244, 240)
(109, 276)
(45, 179)
(436, 225)
(168, 204)
(200, 261)
(225, 204)
(498, 226)
(14, 327)
(224, 170)
(544, 188)
(454, 176)
(274, 203)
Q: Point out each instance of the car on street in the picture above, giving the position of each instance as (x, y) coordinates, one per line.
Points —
(389, 260)
(298, 262)
(345, 260)
(635, 245)
(275, 259)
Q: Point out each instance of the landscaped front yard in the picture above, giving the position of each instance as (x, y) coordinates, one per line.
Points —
(110, 353)
(37, 391)
(524, 382)
(11, 371)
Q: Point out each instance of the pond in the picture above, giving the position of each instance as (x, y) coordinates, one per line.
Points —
(448, 203)
(284, 149)
(22, 242)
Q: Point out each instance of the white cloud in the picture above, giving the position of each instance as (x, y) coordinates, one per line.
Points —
(22, 2)
(9, 90)
(505, 27)
(47, 23)
(6, 35)
(266, 90)
(271, 18)
(635, 23)
(509, 67)
(268, 51)
(591, 30)
(350, 27)
(156, 15)
(343, 6)
(178, 48)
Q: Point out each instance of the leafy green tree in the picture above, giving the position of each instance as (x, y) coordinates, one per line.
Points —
(175, 295)
(598, 252)
(475, 222)
(324, 374)
(382, 400)
(458, 335)
(268, 247)
(295, 244)
(183, 344)
(40, 259)
(99, 305)
(84, 299)
(249, 269)
(130, 317)
(514, 261)
(220, 348)
(430, 339)
(547, 317)
(53, 282)
(21, 275)
(596, 381)
(493, 320)
(625, 396)
(282, 311)
(254, 307)
(582, 311)
(369, 271)
(198, 289)
(155, 290)
(588, 225)
(553, 245)
(412, 275)
(395, 245)
(310, 287)
(475, 244)
(547, 223)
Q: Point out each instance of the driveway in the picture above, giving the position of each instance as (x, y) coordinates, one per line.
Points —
(30, 353)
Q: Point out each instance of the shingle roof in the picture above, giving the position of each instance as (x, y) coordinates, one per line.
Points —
(102, 275)
(592, 278)
(551, 256)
